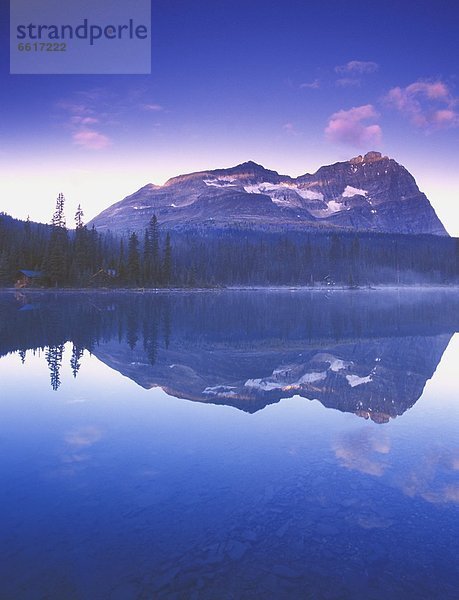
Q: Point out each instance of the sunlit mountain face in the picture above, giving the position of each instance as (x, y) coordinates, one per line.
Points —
(366, 193)
(365, 352)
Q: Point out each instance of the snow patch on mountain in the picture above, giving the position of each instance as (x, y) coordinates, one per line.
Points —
(313, 377)
(221, 182)
(350, 191)
(275, 383)
(266, 188)
(310, 194)
(263, 384)
(334, 206)
(355, 380)
(220, 390)
(281, 378)
(335, 364)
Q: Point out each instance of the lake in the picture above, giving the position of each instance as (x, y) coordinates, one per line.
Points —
(229, 445)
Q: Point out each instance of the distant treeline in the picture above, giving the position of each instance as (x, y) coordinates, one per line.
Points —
(294, 258)
(84, 257)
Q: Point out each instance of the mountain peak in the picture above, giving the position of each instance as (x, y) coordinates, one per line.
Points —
(369, 157)
(365, 193)
(249, 164)
(250, 167)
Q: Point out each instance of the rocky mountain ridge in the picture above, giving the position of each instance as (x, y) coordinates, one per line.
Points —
(378, 379)
(366, 193)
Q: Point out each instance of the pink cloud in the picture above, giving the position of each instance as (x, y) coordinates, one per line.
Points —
(445, 117)
(81, 117)
(348, 127)
(428, 105)
(358, 67)
(91, 139)
(434, 91)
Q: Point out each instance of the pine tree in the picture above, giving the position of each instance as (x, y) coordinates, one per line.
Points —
(77, 353)
(132, 328)
(153, 234)
(79, 218)
(82, 257)
(167, 262)
(122, 262)
(151, 265)
(58, 219)
(133, 260)
(146, 259)
(92, 250)
(54, 356)
(56, 260)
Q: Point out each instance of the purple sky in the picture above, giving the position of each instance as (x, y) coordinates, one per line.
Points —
(290, 85)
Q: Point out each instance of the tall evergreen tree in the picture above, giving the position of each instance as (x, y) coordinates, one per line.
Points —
(93, 258)
(54, 356)
(146, 275)
(80, 271)
(151, 263)
(167, 261)
(58, 219)
(153, 231)
(122, 262)
(79, 218)
(57, 259)
(133, 260)
(77, 353)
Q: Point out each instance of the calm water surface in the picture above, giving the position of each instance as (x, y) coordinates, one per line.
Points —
(229, 445)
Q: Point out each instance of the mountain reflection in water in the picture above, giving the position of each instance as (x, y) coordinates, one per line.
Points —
(111, 489)
(364, 352)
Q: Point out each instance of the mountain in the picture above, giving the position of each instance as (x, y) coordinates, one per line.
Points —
(366, 193)
(377, 379)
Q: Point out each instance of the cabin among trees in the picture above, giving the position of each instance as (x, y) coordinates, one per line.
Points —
(26, 279)
(82, 257)
(104, 278)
